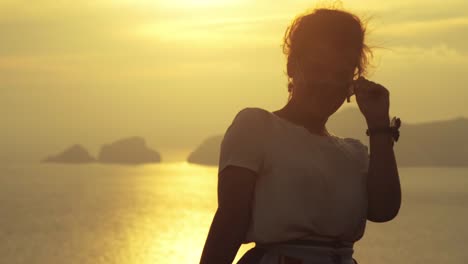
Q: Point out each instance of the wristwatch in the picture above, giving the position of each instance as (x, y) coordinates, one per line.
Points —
(393, 129)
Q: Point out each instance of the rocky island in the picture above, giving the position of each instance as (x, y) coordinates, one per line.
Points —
(131, 150)
(74, 154)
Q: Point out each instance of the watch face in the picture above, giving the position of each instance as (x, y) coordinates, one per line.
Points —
(395, 125)
(396, 135)
(396, 122)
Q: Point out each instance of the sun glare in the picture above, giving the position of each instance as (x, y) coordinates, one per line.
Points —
(189, 3)
(200, 2)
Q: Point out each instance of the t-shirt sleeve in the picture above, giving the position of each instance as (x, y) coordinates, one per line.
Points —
(362, 154)
(244, 140)
(365, 157)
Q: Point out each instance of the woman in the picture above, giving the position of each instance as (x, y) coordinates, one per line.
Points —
(302, 194)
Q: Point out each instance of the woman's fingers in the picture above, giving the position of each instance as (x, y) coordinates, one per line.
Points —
(366, 88)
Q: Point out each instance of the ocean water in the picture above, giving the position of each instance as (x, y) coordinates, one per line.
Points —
(92, 214)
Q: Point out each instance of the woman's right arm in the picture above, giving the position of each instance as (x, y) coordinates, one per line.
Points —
(236, 186)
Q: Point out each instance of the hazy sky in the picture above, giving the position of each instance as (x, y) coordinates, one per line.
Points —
(177, 71)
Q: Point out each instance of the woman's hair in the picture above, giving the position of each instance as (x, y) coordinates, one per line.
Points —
(332, 26)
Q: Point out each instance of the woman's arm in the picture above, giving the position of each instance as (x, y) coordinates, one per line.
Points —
(235, 192)
(383, 184)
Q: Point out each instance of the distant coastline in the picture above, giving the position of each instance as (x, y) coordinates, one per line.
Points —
(430, 144)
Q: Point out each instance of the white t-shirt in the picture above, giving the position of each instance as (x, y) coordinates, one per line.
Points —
(308, 186)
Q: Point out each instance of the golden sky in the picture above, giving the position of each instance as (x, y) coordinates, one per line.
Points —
(176, 71)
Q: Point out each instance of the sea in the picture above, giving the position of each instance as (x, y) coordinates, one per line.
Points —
(161, 213)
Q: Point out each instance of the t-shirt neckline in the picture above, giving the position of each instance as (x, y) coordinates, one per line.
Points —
(323, 138)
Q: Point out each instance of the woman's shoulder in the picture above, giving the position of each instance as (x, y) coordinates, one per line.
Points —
(253, 116)
(253, 112)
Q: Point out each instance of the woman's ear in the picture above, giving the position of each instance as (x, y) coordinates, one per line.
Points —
(350, 91)
(290, 67)
(294, 70)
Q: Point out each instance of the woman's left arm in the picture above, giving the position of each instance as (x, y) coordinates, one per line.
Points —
(383, 181)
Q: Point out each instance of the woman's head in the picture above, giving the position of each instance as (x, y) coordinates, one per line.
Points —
(325, 51)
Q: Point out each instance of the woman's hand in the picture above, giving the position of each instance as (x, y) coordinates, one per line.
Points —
(373, 101)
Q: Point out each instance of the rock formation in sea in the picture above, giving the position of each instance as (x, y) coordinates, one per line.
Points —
(207, 152)
(132, 150)
(73, 154)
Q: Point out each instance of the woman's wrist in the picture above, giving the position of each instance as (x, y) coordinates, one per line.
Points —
(385, 127)
(378, 122)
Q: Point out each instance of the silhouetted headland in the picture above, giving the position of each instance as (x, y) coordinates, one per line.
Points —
(207, 153)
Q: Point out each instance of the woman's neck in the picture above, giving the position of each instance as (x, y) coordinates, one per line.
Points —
(295, 114)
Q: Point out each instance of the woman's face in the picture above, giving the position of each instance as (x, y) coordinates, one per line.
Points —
(322, 80)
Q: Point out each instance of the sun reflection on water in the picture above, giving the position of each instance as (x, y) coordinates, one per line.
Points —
(177, 230)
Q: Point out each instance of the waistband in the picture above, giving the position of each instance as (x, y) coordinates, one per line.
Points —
(335, 244)
(307, 252)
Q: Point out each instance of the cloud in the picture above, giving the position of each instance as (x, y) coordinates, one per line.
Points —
(420, 77)
(450, 32)
(264, 31)
(424, 24)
